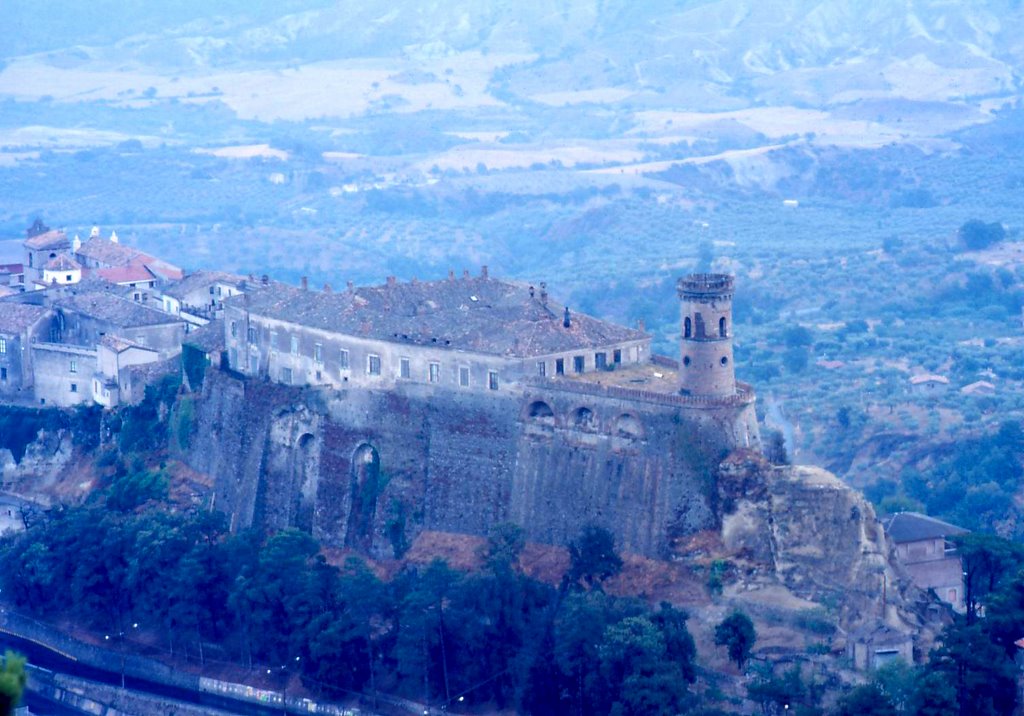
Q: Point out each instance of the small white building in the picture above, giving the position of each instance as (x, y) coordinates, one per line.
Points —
(61, 270)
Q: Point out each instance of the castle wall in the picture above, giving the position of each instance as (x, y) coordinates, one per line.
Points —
(370, 469)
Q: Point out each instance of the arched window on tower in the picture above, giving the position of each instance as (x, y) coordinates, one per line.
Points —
(721, 327)
(687, 328)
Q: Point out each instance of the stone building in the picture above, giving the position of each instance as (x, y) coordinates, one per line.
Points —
(101, 254)
(370, 415)
(20, 326)
(923, 547)
(199, 297)
(85, 318)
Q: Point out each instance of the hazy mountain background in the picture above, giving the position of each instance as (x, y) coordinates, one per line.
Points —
(825, 152)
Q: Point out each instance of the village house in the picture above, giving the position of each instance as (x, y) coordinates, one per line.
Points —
(923, 546)
(20, 326)
(929, 384)
(199, 297)
(42, 245)
(473, 333)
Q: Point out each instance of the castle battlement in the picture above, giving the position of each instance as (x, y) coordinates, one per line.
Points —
(700, 284)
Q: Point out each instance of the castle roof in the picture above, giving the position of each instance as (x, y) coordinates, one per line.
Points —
(913, 526)
(200, 281)
(54, 239)
(480, 315)
(109, 307)
(16, 317)
(131, 273)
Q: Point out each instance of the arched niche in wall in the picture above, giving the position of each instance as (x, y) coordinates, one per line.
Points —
(539, 412)
(365, 486)
(583, 418)
(306, 465)
(628, 426)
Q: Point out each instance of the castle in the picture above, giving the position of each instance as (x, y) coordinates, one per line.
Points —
(369, 415)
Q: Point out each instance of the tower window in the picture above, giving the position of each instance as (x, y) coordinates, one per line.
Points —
(686, 360)
(725, 361)
(687, 328)
(721, 327)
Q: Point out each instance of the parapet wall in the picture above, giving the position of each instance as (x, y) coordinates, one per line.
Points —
(371, 469)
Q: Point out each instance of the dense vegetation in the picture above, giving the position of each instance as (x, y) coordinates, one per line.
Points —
(432, 632)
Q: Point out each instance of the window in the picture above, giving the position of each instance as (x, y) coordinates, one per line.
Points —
(219, 293)
(74, 387)
(234, 329)
(286, 375)
(211, 290)
(600, 361)
(233, 358)
(343, 360)
(67, 278)
(464, 376)
(254, 364)
(435, 372)
(74, 366)
(542, 368)
(295, 345)
(617, 356)
(404, 370)
(559, 366)
(373, 364)
(577, 364)
(250, 334)
(3, 374)
(319, 376)
(721, 327)
(273, 339)
(492, 379)
(3, 345)
(687, 328)
(318, 353)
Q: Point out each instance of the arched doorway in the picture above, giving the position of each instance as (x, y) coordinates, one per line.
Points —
(306, 473)
(365, 482)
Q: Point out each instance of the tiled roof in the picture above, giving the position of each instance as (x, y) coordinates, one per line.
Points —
(110, 252)
(201, 281)
(16, 317)
(112, 308)
(913, 526)
(62, 262)
(49, 240)
(481, 315)
(120, 345)
(125, 274)
(929, 378)
(208, 338)
(12, 268)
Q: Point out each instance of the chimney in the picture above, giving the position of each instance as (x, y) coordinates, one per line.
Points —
(544, 292)
(566, 320)
(483, 271)
(265, 280)
(76, 244)
(531, 291)
(95, 232)
(641, 325)
(327, 288)
(113, 237)
(351, 286)
(305, 283)
(392, 280)
(451, 274)
(465, 274)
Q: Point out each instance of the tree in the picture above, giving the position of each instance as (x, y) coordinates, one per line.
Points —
(736, 633)
(986, 560)
(865, 700)
(976, 234)
(504, 545)
(983, 675)
(592, 557)
(12, 682)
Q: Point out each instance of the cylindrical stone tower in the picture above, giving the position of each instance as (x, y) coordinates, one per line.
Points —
(705, 363)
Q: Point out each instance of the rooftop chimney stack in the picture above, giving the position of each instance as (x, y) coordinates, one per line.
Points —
(451, 274)
(483, 271)
(531, 291)
(641, 325)
(392, 280)
(305, 283)
(265, 280)
(465, 274)
(113, 237)
(94, 232)
(327, 288)
(566, 319)
(351, 286)
(544, 293)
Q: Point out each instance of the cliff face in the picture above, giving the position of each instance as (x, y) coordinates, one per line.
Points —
(371, 469)
(819, 539)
